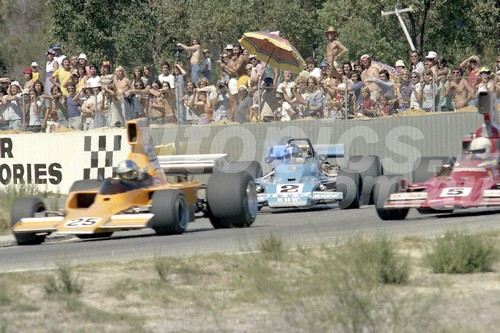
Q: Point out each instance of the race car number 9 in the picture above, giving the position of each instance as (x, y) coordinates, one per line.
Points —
(456, 192)
(289, 188)
(82, 222)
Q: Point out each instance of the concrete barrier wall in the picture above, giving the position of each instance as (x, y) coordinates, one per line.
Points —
(397, 140)
(54, 161)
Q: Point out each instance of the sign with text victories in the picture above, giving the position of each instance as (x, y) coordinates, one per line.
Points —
(54, 161)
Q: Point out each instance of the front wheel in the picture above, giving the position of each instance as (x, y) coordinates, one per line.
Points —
(171, 212)
(232, 200)
(383, 188)
(349, 183)
(26, 207)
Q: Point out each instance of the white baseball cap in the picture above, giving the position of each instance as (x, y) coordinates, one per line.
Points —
(34, 63)
(431, 55)
(82, 56)
(400, 63)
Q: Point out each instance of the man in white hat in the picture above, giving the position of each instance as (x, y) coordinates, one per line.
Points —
(93, 107)
(34, 71)
(370, 72)
(334, 48)
(431, 63)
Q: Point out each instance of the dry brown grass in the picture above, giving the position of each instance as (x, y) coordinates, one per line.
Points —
(299, 291)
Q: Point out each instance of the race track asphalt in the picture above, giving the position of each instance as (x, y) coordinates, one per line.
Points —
(305, 228)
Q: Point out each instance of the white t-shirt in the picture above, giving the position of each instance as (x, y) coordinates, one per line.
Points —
(287, 86)
(167, 78)
(283, 111)
(36, 119)
(206, 65)
(316, 72)
(414, 104)
(60, 59)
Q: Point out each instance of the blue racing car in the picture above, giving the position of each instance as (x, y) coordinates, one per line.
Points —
(302, 177)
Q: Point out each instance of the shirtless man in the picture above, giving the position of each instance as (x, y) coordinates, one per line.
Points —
(196, 57)
(235, 68)
(334, 49)
(370, 72)
(460, 88)
(121, 88)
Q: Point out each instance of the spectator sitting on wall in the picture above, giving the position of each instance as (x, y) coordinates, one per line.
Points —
(284, 111)
(242, 113)
(404, 90)
(367, 107)
(427, 92)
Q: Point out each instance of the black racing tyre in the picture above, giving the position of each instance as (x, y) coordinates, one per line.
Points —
(95, 236)
(385, 186)
(349, 183)
(424, 168)
(253, 168)
(85, 184)
(26, 207)
(171, 212)
(369, 168)
(232, 200)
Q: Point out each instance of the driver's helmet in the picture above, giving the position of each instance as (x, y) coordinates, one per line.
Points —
(128, 170)
(291, 151)
(480, 148)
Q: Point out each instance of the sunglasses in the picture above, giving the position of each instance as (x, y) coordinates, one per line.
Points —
(456, 72)
(414, 77)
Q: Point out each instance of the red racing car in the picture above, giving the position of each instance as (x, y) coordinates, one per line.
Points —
(442, 184)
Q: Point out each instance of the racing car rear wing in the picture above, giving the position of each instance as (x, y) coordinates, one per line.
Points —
(184, 164)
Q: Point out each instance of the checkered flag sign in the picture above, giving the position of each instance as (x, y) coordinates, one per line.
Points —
(99, 165)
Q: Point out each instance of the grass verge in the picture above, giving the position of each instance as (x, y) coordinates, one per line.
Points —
(460, 253)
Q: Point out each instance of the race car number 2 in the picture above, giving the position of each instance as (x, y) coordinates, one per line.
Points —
(456, 192)
(82, 222)
(289, 188)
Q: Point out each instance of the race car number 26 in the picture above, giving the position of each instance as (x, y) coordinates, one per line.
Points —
(456, 192)
(82, 222)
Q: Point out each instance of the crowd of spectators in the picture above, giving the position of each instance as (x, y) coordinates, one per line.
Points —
(74, 93)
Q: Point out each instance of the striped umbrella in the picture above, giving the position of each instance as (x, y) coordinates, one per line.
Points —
(271, 49)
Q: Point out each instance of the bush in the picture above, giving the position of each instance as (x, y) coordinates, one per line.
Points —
(64, 282)
(272, 248)
(459, 253)
(376, 259)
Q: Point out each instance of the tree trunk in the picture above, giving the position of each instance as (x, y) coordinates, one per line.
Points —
(427, 6)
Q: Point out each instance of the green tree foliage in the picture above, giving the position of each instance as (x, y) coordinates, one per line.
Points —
(131, 32)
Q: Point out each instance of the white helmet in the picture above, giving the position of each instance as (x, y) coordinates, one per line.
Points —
(481, 148)
(128, 170)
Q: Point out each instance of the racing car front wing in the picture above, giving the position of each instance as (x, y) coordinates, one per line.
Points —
(297, 199)
(489, 198)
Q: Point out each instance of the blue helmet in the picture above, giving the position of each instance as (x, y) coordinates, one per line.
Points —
(291, 151)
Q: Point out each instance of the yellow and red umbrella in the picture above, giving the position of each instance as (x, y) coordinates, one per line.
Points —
(274, 50)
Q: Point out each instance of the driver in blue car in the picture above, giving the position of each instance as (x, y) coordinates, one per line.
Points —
(292, 154)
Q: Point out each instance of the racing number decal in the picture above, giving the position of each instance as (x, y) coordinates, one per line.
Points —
(456, 192)
(82, 222)
(290, 188)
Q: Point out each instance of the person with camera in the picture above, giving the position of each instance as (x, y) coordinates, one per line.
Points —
(195, 57)
(14, 102)
(221, 101)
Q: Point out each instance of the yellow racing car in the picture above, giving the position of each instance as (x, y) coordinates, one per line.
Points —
(140, 197)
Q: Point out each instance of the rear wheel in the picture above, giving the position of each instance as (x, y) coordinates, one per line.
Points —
(171, 212)
(26, 207)
(349, 183)
(253, 168)
(369, 168)
(232, 200)
(383, 188)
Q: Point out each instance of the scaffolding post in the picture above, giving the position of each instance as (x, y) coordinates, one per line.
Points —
(398, 12)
